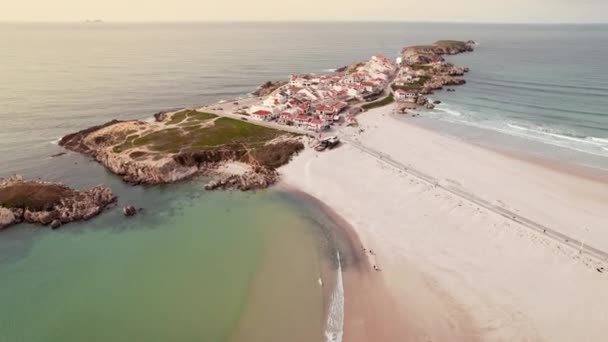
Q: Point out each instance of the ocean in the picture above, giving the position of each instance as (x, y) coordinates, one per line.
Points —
(232, 266)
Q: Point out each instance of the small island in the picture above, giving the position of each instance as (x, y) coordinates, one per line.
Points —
(49, 203)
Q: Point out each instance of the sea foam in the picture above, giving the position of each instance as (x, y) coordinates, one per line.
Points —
(334, 328)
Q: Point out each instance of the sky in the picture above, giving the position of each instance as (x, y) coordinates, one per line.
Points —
(538, 11)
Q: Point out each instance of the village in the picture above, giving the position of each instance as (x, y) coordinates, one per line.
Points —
(316, 102)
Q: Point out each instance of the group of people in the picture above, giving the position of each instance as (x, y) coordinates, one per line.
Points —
(376, 268)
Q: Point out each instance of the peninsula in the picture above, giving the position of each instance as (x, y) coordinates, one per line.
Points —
(246, 141)
(183, 143)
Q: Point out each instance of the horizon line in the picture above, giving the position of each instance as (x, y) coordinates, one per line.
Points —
(160, 21)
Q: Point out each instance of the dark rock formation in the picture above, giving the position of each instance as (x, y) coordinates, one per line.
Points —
(439, 81)
(258, 178)
(268, 87)
(160, 116)
(55, 224)
(49, 203)
(129, 211)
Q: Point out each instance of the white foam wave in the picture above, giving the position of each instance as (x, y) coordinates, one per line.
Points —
(56, 141)
(329, 70)
(583, 140)
(589, 145)
(334, 328)
(450, 111)
(600, 140)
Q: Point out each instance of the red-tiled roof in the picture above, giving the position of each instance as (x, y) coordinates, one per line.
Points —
(302, 117)
(262, 112)
(316, 121)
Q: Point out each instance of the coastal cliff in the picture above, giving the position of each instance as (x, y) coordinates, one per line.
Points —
(426, 54)
(48, 203)
(423, 70)
(183, 144)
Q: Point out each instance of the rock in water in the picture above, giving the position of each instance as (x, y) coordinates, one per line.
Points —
(55, 224)
(7, 218)
(129, 211)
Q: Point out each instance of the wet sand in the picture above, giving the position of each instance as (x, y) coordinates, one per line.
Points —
(371, 312)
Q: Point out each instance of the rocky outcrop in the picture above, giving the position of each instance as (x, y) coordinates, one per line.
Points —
(258, 178)
(162, 171)
(268, 87)
(75, 141)
(160, 116)
(7, 217)
(349, 69)
(129, 211)
(438, 82)
(426, 54)
(112, 145)
(49, 203)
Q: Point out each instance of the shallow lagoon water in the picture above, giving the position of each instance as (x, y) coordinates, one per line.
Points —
(200, 266)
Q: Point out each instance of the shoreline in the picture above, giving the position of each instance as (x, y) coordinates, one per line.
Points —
(441, 254)
(574, 168)
(370, 312)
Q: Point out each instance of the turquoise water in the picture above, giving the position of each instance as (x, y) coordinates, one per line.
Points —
(184, 271)
(199, 266)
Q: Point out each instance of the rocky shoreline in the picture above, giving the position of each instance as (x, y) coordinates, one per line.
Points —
(170, 149)
(426, 64)
(427, 54)
(48, 203)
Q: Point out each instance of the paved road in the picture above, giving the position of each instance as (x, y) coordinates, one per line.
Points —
(563, 239)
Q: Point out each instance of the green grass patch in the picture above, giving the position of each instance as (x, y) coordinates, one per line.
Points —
(137, 154)
(33, 196)
(386, 101)
(177, 117)
(223, 131)
(425, 67)
(200, 116)
(226, 130)
(189, 115)
(128, 143)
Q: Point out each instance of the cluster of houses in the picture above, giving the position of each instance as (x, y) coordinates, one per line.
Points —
(314, 102)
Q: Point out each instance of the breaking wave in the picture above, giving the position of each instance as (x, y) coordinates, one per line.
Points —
(548, 135)
(334, 328)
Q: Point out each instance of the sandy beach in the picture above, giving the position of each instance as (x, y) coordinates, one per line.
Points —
(472, 244)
